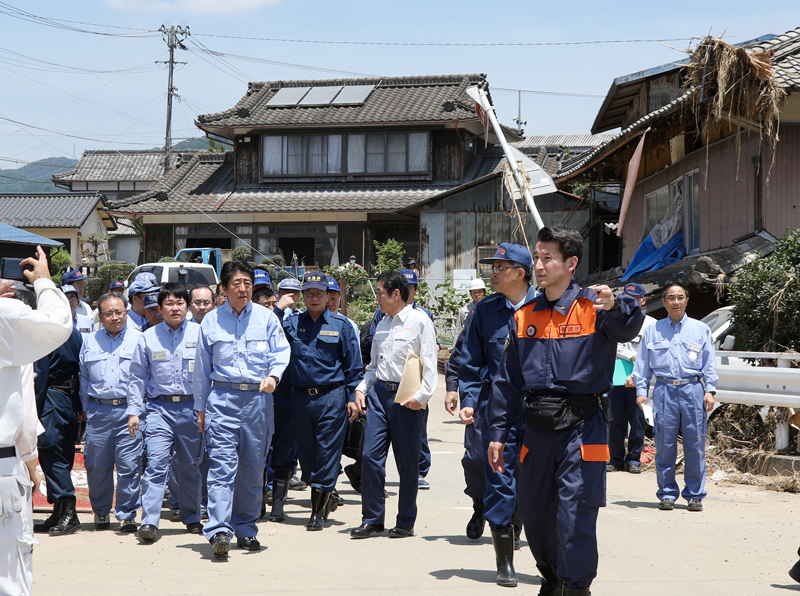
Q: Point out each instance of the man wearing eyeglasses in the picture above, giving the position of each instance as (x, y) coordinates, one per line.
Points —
(105, 362)
(679, 352)
(201, 302)
(494, 496)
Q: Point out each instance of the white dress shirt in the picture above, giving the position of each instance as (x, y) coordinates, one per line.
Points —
(410, 329)
(628, 350)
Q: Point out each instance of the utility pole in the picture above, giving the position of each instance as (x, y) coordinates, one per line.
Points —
(520, 122)
(173, 36)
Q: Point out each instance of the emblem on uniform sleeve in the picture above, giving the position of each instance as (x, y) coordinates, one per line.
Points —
(531, 331)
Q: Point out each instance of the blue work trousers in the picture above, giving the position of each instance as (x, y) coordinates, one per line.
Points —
(500, 491)
(389, 423)
(172, 479)
(679, 409)
(239, 427)
(57, 445)
(626, 412)
(474, 459)
(175, 448)
(320, 423)
(108, 443)
(425, 451)
(560, 495)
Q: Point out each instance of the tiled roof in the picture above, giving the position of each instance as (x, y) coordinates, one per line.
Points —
(571, 141)
(48, 210)
(124, 227)
(491, 160)
(205, 184)
(12, 235)
(395, 100)
(786, 61)
(118, 166)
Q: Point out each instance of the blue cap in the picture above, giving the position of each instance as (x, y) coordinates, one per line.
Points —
(315, 280)
(262, 278)
(148, 276)
(67, 289)
(290, 283)
(151, 300)
(634, 290)
(72, 276)
(333, 285)
(510, 252)
(140, 285)
(411, 276)
(116, 285)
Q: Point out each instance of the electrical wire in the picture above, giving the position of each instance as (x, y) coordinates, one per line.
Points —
(65, 134)
(31, 63)
(559, 93)
(17, 13)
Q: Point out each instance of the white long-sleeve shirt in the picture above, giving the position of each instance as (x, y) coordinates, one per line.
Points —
(628, 350)
(410, 329)
(26, 443)
(25, 336)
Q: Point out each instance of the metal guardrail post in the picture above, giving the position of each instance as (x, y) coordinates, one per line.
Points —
(782, 426)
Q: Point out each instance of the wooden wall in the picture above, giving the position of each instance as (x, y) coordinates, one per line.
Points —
(159, 242)
(781, 198)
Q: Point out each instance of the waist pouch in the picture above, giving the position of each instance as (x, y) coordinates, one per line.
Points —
(546, 412)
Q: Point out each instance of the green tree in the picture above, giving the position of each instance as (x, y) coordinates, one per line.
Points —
(59, 260)
(167, 260)
(353, 276)
(389, 255)
(241, 253)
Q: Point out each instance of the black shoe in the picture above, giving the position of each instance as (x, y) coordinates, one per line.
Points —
(50, 522)
(194, 528)
(250, 543)
(127, 525)
(551, 585)
(339, 500)
(296, 484)
(667, 504)
(366, 530)
(175, 515)
(147, 533)
(423, 484)
(354, 477)
(794, 572)
(614, 467)
(695, 505)
(634, 468)
(398, 532)
(477, 522)
(319, 510)
(203, 513)
(503, 541)
(567, 591)
(280, 485)
(220, 545)
(102, 522)
(69, 522)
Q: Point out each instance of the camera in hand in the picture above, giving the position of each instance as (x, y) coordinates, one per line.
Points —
(12, 268)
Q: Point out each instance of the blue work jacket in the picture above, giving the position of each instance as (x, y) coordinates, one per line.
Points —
(105, 364)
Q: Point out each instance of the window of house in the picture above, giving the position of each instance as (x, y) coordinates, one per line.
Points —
(387, 153)
(302, 155)
(485, 252)
(691, 210)
(656, 206)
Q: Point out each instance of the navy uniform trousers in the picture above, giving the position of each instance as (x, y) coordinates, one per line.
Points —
(320, 425)
(57, 445)
(284, 445)
(625, 411)
(388, 422)
(560, 495)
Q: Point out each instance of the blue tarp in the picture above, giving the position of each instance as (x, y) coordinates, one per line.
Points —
(9, 233)
(647, 258)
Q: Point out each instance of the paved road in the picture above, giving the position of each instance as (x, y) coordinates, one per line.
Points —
(743, 544)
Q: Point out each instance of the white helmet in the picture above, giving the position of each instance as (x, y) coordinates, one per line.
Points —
(477, 284)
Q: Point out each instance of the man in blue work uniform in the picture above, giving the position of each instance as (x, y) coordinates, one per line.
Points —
(81, 322)
(289, 288)
(104, 377)
(58, 404)
(162, 370)
(75, 279)
(559, 357)
(143, 283)
(679, 352)
(324, 371)
(399, 423)
(241, 355)
(495, 495)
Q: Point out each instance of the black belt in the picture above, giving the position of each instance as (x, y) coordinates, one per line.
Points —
(110, 402)
(319, 390)
(678, 381)
(238, 386)
(6, 452)
(388, 386)
(174, 398)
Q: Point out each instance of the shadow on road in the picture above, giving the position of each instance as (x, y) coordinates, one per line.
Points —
(637, 504)
(459, 540)
(791, 587)
(483, 576)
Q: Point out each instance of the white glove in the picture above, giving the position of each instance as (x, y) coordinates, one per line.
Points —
(10, 496)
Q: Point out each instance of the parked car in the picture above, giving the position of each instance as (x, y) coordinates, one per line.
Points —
(187, 274)
(721, 324)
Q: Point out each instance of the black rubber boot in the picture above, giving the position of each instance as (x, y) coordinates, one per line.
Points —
(50, 522)
(319, 510)
(567, 591)
(331, 504)
(503, 541)
(69, 522)
(280, 486)
(477, 522)
(794, 572)
(517, 523)
(551, 585)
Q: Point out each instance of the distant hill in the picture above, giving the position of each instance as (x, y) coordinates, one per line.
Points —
(35, 177)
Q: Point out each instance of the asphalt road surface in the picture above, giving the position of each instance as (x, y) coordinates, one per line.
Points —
(742, 544)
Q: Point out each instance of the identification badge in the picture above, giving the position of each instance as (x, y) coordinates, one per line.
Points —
(694, 347)
(261, 346)
(329, 333)
(191, 366)
(191, 344)
(84, 330)
(160, 355)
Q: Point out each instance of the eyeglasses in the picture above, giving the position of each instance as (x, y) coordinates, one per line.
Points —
(315, 294)
(201, 302)
(499, 269)
(112, 313)
(675, 298)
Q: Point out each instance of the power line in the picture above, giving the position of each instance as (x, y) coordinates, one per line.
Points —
(563, 94)
(66, 134)
(14, 12)
(37, 163)
(31, 63)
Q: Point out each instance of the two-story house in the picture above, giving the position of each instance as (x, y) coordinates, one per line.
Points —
(316, 167)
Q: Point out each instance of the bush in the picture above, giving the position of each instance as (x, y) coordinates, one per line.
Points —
(167, 260)
(94, 288)
(59, 259)
(354, 277)
(766, 299)
(389, 255)
(241, 253)
(109, 271)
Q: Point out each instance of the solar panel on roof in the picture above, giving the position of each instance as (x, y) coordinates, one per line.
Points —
(288, 96)
(353, 94)
(320, 96)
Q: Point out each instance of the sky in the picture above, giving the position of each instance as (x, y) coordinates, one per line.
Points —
(67, 88)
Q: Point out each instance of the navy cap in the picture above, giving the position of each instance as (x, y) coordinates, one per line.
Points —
(333, 285)
(151, 300)
(262, 278)
(510, 252)
(68, 289)
(290, 283)
(315, 280)
(72, 276)
(116, 285)
(634, 290)
(411, 276)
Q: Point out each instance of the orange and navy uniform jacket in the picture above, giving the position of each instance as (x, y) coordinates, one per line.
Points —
(569, 350)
